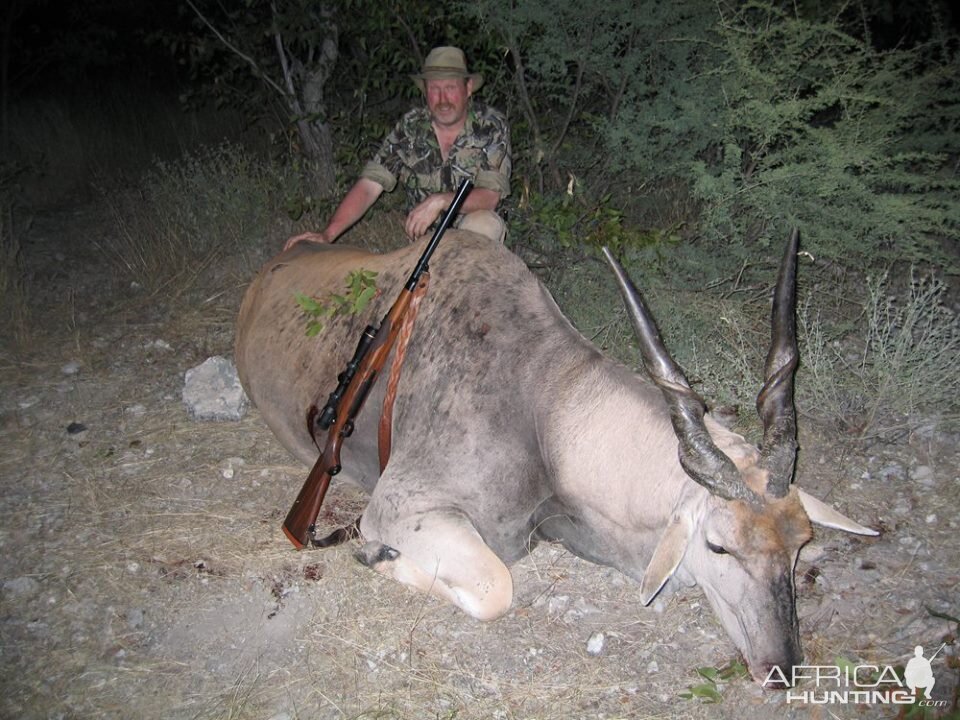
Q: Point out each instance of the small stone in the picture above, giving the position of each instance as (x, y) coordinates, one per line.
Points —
(71, 368)
(596, 643)
(230, 466)
(157, 345)
(893, 471)
(134, 618)
(923, 474)
(652, 667)
(136, 410)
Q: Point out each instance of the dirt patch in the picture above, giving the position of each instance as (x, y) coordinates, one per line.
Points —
(145, 574)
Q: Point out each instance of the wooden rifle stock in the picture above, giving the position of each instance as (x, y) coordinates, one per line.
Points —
(344, 404)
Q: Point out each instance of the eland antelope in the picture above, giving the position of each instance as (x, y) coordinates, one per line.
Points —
(511, 428)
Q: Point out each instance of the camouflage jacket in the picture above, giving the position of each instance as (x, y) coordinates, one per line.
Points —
(410, 154)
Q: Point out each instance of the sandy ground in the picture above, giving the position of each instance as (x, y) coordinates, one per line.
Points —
(144, 573)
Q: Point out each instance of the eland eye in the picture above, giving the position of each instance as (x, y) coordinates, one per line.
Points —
(718, 549)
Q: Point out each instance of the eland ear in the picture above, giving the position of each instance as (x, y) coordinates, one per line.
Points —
(666, 559)
(822, 514)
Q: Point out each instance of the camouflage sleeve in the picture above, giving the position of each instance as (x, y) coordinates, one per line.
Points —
(385, 166)
(494, 170)
(380, 175)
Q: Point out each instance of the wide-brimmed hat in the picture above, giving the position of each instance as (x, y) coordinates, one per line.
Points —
(446, 62)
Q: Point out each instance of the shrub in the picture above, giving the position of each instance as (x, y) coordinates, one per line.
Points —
(902, 368)
(192, 213)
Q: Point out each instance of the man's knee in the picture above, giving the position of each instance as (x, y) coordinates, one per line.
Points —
(485, 222)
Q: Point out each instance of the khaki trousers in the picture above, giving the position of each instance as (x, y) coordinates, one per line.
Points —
(484, 222)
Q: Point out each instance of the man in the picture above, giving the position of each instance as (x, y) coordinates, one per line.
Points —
(430, 151)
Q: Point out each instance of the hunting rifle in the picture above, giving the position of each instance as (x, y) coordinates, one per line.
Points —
(344, 404)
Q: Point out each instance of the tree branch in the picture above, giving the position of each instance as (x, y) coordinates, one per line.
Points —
(528, 109)
(618, 96)
(410, 34)
(571, 111)
(291, 94)
(236, 51)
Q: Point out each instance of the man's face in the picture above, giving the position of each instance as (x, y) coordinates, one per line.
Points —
(447, 100)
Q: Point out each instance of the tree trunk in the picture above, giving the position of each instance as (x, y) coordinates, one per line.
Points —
(305, 80)
(316, 144)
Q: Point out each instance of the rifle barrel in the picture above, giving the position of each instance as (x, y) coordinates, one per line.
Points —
(465, 187)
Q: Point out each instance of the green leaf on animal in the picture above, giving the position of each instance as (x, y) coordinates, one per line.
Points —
(361, 289)
(733, 671)
(309, 304)
(709, 673)
(364, 298)
(707, 692)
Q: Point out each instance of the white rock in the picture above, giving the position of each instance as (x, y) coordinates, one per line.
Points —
(212, 391)
(923, 474)
(158, 345)
(595, 643)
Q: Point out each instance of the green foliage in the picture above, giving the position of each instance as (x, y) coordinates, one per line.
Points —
(570, 224)
(776, 120)
(765, 118)
(829, 138)
(570, 63)
(710, 691)
(361, 288)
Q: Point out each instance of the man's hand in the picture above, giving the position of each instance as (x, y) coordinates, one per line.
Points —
(320, 237)
(423, 215)
(357, 201)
